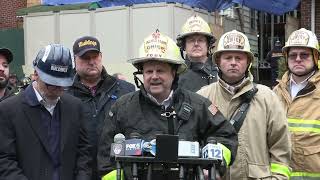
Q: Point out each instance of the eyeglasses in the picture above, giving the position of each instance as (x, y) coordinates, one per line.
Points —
(194, 40)
(303, 56)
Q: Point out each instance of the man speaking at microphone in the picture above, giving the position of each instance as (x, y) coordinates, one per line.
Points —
(160, 107)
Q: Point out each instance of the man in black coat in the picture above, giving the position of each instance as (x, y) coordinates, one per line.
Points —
(42, 130)
(96, 88)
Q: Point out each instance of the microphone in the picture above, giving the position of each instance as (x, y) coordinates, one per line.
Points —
(212, 150)
(117, 147)
(188, 149)
(133, 146)
(149, 147)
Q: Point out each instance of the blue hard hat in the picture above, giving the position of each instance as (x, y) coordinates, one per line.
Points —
(55, 65)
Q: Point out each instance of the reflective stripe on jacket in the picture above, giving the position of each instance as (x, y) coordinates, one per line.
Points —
(303, 115)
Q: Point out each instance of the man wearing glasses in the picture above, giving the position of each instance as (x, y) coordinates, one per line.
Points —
(300, 95)
(42, 130)
(196, 42)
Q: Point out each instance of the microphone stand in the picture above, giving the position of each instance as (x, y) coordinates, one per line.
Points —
(200, 173)
(118, 167)
(181, 172)
(134, 171)
(212, 172)
(149, 176)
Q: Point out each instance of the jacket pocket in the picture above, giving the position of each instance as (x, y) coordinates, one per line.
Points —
(312, 158)
(257, 171)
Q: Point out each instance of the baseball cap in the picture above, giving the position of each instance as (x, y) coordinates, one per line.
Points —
(7, 54)
(85, 44)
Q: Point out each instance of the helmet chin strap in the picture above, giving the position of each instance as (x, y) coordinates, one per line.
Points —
(137, 81)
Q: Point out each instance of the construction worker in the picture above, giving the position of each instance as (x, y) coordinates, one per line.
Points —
(196, 40)
(6, 58)
(253, 109)
(148, 110)
(299, 92)
(42, 129)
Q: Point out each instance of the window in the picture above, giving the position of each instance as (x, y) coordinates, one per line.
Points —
(253, 20)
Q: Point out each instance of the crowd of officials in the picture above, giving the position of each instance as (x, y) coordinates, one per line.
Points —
(61, 124)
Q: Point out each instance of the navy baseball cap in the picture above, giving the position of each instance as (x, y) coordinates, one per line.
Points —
(85, 44)
(7, 54)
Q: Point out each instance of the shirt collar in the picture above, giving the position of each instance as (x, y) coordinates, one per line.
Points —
(165, 102)
(304, 82)
(49, 106)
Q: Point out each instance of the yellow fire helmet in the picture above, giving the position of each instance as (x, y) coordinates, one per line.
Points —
(159, 47)
(303, 38)
(234, 41)
(195, 25)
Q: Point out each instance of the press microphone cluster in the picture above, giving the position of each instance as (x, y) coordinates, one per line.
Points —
(212, 150)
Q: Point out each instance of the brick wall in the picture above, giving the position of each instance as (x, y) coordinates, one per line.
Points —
(8, 10)
(306, 15)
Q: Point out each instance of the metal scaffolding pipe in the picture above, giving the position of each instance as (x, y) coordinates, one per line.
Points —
(313, 11)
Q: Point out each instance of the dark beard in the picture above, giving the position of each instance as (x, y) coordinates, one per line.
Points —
(4, 83)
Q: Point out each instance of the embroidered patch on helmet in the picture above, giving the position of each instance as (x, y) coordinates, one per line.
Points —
(233, 41)
(299, 38)
(213, 109)
(156, 46)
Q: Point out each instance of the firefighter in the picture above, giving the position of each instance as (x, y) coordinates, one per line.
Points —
(149, 110)
(196, 41)
(299, 93)
(254, 110)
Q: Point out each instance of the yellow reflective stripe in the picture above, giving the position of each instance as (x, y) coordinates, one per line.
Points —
(305, 174)
(226, 154)
(303, 121)
(281, 169)
(302, 125)
(314, 130)
(112, 175)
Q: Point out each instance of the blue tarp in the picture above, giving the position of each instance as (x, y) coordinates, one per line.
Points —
(277, 7)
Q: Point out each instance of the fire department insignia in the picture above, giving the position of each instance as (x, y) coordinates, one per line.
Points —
(117, 149)
(299, 38)
(213, 109)
(233, 41)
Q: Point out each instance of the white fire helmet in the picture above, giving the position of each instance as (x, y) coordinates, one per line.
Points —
(159, 47)
(234, 41)
(303, 38)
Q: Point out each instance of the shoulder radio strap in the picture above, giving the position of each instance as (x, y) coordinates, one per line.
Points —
(239, 115)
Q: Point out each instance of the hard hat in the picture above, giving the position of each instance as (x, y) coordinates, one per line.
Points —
(55, 65)
(303, 38)
(234, 41)
(195, 25)
(159, 47)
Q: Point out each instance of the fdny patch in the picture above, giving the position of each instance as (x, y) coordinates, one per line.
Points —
(213, 109)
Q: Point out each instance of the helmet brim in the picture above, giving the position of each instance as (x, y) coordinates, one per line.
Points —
(250, 54)
(137, 61)
(56, 81)
(182, 36)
